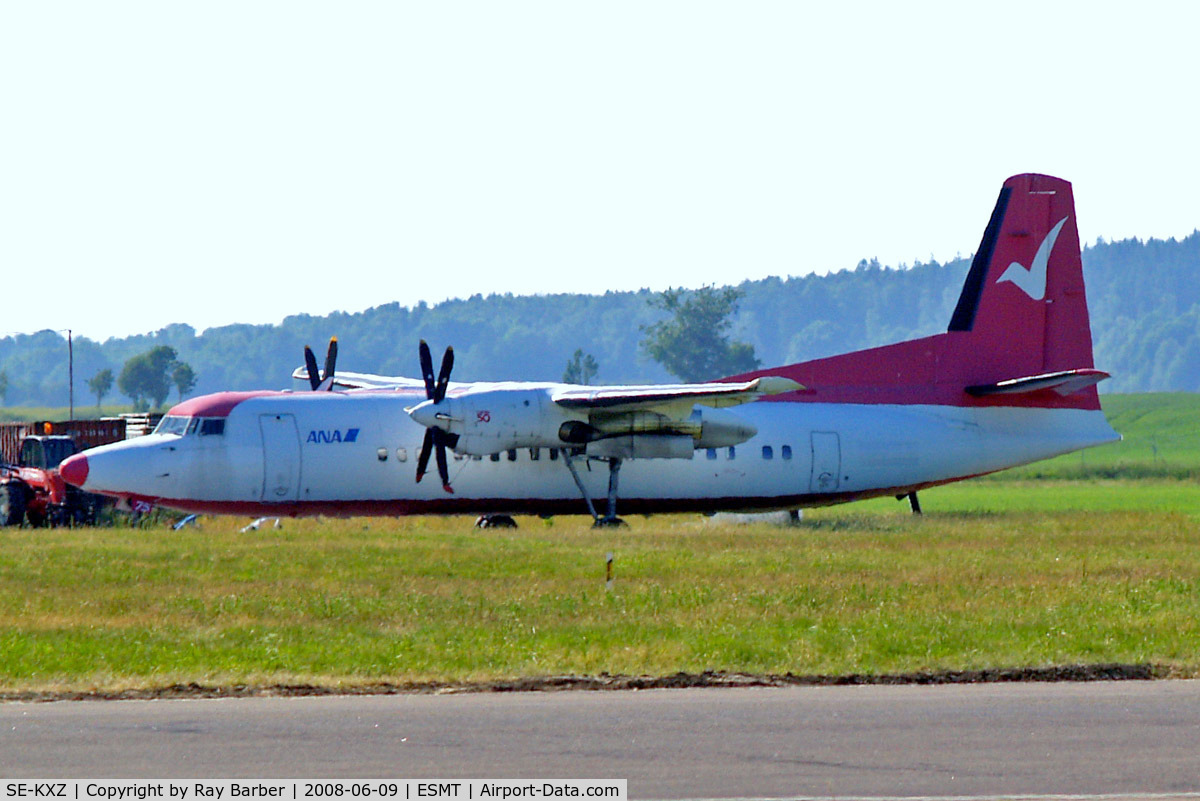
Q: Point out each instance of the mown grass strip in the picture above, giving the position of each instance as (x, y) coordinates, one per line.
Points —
(349, 603)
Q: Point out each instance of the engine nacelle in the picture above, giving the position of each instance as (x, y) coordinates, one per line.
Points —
(720, 429)
(644, 446)
(495, 420)
(503, 417)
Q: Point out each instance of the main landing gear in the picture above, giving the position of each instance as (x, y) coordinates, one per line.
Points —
(614, 476)
(913, 501)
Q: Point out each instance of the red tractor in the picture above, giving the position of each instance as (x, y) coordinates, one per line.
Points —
(30, 485)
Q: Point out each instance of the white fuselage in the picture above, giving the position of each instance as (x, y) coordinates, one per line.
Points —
(355, 453)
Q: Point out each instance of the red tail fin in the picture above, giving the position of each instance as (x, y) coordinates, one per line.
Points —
(1019, 335)
(1024, 300)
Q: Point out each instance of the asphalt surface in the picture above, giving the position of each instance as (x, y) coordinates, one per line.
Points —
(975, 740)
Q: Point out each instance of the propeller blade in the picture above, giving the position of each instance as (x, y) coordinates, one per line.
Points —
(443, 468)
(330, 361)
(423, 459)
(435, 438)
(310, 364)
(426, 368)
(439, 392)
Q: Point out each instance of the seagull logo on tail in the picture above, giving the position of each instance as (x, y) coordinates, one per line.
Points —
(1032, 281)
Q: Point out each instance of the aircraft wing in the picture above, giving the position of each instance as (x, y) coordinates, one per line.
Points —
(344, 381)
(634, 398)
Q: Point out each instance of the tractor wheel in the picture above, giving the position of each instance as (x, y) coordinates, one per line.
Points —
(59, 516)
(37, 519)
(12, 503)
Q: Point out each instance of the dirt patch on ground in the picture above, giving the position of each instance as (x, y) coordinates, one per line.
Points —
(1111, 672)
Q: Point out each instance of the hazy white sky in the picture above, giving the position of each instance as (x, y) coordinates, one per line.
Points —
(223, 162)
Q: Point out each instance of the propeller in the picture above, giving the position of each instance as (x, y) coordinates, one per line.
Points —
(321, 381)
(436, 438)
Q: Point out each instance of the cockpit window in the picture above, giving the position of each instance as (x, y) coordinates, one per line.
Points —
(191, 426)
(172, 424)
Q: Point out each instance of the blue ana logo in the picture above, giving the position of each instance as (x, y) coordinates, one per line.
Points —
(320, 437)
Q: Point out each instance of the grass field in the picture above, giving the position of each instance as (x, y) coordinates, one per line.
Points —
(1161, 440)
(83, 412)
(1010, 571)
(352, 602)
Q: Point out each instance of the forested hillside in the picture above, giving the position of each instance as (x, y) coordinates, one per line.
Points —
(1144, 299)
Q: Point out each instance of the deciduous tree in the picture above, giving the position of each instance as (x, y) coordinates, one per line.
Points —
(184, 378)
(144, 377)
(581, 368)
(101, 384)
(694, 342)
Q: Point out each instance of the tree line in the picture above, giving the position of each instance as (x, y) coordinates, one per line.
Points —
(1144, 298)
(145, 379)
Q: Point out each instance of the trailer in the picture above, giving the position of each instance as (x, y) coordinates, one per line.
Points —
(31, 488)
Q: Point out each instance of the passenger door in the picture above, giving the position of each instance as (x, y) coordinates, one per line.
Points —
(826, 462)
(281, 457)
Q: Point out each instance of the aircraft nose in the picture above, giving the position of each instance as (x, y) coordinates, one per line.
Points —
(74, 469)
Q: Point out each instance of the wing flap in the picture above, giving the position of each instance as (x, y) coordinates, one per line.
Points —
(717, 395)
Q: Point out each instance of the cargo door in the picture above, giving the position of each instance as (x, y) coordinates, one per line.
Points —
(826, 462)
(281, 457)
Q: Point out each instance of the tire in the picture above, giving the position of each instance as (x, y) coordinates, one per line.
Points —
(12, 503)
(59, 516)
(80, 509)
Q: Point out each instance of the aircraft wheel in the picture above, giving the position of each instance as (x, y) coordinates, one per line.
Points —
(495, 521)
(610, 522)
(12, 503)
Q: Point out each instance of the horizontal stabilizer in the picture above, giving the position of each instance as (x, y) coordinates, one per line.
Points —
(1064, 382)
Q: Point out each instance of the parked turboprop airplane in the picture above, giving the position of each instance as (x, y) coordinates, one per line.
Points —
(1010, 382)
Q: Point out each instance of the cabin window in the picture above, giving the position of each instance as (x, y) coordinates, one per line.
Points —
(512, 454)
(382, 454)
(711, 453)
(768, 452)
(401, 455)
(495, 457)
(732, 453)
(212, 426)
(535, 454)
(786, 451)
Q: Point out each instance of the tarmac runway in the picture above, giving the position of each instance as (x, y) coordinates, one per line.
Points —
(1111, 738)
